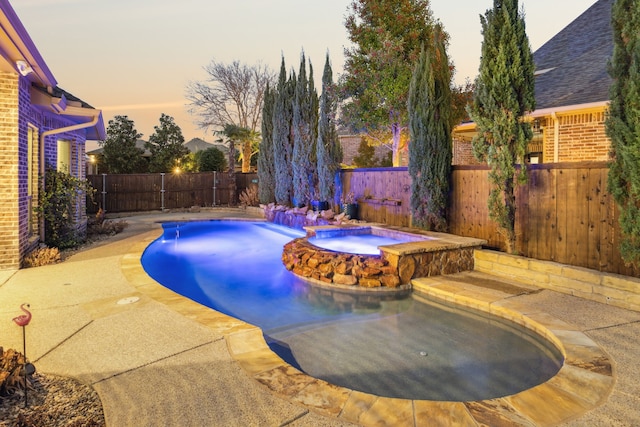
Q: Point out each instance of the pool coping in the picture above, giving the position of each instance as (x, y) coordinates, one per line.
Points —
(584, 381)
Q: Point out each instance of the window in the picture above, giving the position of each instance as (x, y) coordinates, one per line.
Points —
(64, 156)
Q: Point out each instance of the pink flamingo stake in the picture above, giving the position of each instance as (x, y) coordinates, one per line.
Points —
(23, 320)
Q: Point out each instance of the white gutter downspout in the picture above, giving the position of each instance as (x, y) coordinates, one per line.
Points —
(49, 132)
(556, 137)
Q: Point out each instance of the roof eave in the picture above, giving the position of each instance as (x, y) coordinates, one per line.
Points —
(73, 111)
(546, 112)
(577, 108)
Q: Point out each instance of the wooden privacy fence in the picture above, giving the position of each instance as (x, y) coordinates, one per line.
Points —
(564, 212)
(145, 192)
(383, 194)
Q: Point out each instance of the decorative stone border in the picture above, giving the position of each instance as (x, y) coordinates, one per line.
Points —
(367, 271)
(430, 254)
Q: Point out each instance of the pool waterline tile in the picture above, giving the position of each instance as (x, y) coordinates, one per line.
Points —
(560, 399)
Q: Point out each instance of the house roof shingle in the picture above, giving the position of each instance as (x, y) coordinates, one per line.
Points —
(577, 60)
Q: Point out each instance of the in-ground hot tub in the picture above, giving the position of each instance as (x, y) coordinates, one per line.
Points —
(359, 240)
(403, 256)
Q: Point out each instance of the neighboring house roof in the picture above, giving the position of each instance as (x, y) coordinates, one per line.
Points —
(197, 144)
(19, 54)
(572, 67)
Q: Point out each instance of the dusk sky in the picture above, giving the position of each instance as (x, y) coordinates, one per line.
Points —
(135, 57)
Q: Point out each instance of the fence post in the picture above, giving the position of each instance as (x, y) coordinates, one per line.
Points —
(104, 192)
(162, 192)
(214, 189)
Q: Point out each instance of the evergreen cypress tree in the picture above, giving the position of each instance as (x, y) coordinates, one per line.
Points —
(305, 113)
(504, 94)
(623, 124)
(283, 137)
(328, 149)
(266, 167)
(430, 124)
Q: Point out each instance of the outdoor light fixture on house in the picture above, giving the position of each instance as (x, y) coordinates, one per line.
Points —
(23, 67)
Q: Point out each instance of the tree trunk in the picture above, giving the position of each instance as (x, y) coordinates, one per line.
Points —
(395, 132)
(232, 174)
(246, 157)
(510, 205)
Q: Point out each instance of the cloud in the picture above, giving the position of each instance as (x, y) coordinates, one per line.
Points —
(147, 106)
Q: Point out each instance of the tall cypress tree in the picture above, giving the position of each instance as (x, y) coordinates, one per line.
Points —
(623, 124)
(430, 123)
(283, 137)
(328, 149)
(305, 113)
(266, 167)
(504, 94)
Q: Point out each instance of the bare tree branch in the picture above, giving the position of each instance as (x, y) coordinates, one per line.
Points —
(232, 94)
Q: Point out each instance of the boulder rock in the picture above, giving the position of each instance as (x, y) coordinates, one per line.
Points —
(344, 279)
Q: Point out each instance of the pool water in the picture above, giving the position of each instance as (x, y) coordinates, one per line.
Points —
(399, 346)
(361, 244)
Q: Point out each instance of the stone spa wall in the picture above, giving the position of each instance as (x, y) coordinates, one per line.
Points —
(394, 267)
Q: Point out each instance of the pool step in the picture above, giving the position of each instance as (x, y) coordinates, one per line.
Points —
(484, 286)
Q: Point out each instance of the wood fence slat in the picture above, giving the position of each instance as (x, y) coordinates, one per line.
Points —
(535, 184)
(607, 225)
(581, 247)
(562, 212)
(548, 231)
(595, 189)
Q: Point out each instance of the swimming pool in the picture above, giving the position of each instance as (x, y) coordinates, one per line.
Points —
(405, 347)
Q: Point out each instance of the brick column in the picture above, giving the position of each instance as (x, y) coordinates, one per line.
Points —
(9, 171)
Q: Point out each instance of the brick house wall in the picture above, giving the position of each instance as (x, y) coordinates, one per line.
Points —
(9, 171)
(19, 225)
(582, 137)
(462, 152)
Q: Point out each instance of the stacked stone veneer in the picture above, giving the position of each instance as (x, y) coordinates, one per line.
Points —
(395, 266)
(612, 289)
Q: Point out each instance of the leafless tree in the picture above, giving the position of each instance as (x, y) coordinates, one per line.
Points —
(231, 95)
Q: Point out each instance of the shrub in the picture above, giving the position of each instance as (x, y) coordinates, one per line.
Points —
(249, 197)
(11, 363)
(107, 227)
(58, 205)
(41, 256)
(99, 225)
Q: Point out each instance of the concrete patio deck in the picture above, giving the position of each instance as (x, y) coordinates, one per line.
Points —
(165, 360)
